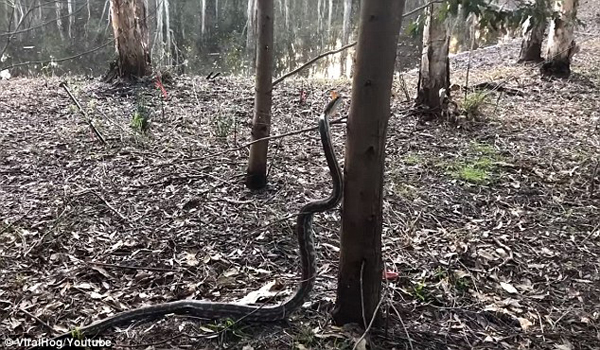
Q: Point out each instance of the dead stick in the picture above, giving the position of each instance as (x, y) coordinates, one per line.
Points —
(87, 118)
(148, 268)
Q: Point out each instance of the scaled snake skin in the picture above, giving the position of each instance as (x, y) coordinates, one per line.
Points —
(252, 313)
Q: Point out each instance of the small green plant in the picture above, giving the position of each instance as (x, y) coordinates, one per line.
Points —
(462, 284)
(140, 121)
(472, 103)
(76, 333)
(412, 159)
(223, 125)
(420, 291)
(229, 326)
(478, 171)
(305, 336)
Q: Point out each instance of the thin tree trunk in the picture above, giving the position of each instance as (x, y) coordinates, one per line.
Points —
(531, 46)
(59, 25)
(168, 33)
(329, 16)
(287, 14)
(434, 70)
(561, 40)
(345, 34)
(130, 27)
(256, 176)
(319, 16)
(70, 12)
(203, 27)
(158, 42)
(217, 10)
(360, 271)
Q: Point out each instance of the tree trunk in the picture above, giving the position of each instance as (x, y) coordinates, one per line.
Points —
(256, 176)
(561, 41)
(131, 37)
(203, 25)
(59, 25)
(360, 257)
(345, 34)
(533, 36)
(434, 71)
(70, 12)
(251, 31)
(329, 15)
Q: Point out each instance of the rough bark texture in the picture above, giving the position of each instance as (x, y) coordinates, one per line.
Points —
(131, 37)
(561, 41)
(363, 169)
(531, 46)
(256, 176)
(433, 74)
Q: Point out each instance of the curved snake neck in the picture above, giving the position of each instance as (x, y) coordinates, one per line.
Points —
(210, 310)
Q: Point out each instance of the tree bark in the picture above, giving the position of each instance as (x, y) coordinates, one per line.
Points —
(130, 29)
(561, 40)
(434, 70)
(533, 36)
(256, 176)
(360, 258)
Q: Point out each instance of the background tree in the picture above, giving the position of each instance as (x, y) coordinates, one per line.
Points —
(533, 33)
(360, 257)
(345, 34)
(561, 40)
(132, 41)
(434, 71)
(256, 176)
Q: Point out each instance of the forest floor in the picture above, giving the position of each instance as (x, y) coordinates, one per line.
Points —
(491, 224)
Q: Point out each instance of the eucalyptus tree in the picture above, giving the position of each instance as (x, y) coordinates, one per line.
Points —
(256, 175)
(434, 70)
(561, 39)
(132, 42)
(533, 33)
(359, 277)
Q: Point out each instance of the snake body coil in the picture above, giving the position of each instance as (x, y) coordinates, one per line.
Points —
(210, 310)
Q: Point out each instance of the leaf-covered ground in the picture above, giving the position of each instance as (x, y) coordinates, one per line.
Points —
(492, 224)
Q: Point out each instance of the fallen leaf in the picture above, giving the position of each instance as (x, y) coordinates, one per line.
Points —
(509, 288)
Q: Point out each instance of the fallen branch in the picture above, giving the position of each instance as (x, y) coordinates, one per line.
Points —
(87, 118)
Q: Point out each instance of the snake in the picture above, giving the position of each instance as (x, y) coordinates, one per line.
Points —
(250, 313)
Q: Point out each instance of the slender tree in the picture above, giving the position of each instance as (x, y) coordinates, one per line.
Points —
(346, 25)
(561, 40)
(130, 28)
(434, 70)
(359, 278)
(256, 176)
(59, 25)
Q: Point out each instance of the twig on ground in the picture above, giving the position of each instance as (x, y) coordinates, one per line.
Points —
(410, 343)
(87, 118)
(5, 228)
(148, 268)
(37, 319)
(368, 329)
